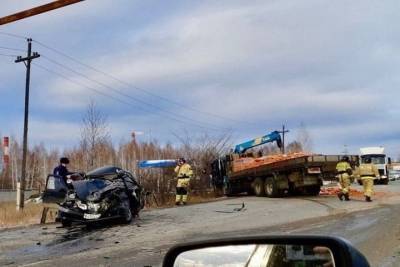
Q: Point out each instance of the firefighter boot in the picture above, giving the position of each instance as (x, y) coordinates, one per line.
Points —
(368, 199)
(340, 196)
(346, 197)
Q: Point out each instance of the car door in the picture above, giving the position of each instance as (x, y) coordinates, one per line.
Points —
(56, 189)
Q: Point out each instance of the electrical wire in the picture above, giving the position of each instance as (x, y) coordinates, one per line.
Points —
(129, 96)
(13, 35)
(137, 88)
(113, 97)
(12, 49)
(8, 55)
(127, 84)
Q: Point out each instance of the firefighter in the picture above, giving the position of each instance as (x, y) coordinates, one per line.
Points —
(184, 173)
(61, 169)
(345, 172)
(366, 172)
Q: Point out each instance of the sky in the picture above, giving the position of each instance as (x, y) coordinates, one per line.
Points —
(194, 67)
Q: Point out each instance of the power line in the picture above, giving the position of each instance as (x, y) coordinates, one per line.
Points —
(12, 49)
(8, 55)
(14, 35)
(135, 87)
(115, 98)
(129, 96)
(104, 85)
(128, 84)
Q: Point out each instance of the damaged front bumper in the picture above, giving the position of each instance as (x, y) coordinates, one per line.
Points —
(79, 216)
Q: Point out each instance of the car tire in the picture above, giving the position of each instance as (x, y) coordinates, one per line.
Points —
(385, 181)
(258, 187)
(66, 223)
(127, 215)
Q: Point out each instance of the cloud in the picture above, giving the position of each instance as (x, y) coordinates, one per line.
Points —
(262, 64)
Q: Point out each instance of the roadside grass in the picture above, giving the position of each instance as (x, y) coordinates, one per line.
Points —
(31, 214)
(168, 200)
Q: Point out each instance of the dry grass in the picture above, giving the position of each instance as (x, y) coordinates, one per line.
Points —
(10, 217)
(31, 214)
(169, 201)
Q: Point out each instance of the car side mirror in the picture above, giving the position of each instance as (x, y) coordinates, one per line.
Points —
(389, 160)
(274, 251)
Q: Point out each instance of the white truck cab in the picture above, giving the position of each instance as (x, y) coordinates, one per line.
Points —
(379, 159)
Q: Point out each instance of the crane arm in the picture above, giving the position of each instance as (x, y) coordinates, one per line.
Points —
(271, 137)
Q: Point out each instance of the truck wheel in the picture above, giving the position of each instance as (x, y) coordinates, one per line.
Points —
(258, 187)
(227, 190)
(271, 188)
(385, 181)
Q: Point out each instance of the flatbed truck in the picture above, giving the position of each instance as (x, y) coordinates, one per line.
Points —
(289, 174)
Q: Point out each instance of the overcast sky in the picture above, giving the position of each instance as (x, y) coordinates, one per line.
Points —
(246, 67)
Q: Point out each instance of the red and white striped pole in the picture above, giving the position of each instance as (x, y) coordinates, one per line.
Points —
(6, 150)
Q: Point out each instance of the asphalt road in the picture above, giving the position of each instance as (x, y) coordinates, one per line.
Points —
(374, 228)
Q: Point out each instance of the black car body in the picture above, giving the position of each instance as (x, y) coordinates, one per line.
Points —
(102, 194)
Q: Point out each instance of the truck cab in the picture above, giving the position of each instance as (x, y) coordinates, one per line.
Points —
(379, 159)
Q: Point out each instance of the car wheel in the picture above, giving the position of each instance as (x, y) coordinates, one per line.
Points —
(66, 223)
(126, 212)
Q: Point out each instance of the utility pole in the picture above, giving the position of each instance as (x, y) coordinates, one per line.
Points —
(21, 181)
(37, 10)
(283, 138)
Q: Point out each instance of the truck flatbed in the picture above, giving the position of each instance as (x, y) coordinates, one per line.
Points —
(264, 165)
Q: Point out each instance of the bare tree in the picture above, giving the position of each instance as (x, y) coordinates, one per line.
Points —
(304, 138)
(294, 147)
(94, 133)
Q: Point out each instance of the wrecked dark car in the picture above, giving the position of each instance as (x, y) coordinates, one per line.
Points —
(103, 194)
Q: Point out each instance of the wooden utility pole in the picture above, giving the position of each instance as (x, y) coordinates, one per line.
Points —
(283, 138)
(21, 181)
(37, 10)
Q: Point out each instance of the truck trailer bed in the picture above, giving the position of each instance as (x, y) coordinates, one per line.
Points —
(265, 165)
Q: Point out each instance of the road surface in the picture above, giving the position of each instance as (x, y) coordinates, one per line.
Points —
(374, 228)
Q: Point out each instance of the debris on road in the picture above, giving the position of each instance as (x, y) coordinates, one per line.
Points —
(242, 208)
(334, 190)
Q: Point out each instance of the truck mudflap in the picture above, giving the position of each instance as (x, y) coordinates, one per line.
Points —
(309, 180)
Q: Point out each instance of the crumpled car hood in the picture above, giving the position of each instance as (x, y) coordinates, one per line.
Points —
(84, 188)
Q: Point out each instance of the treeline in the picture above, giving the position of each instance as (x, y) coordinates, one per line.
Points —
(41, 162)
(200, 153)
(96, 149)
